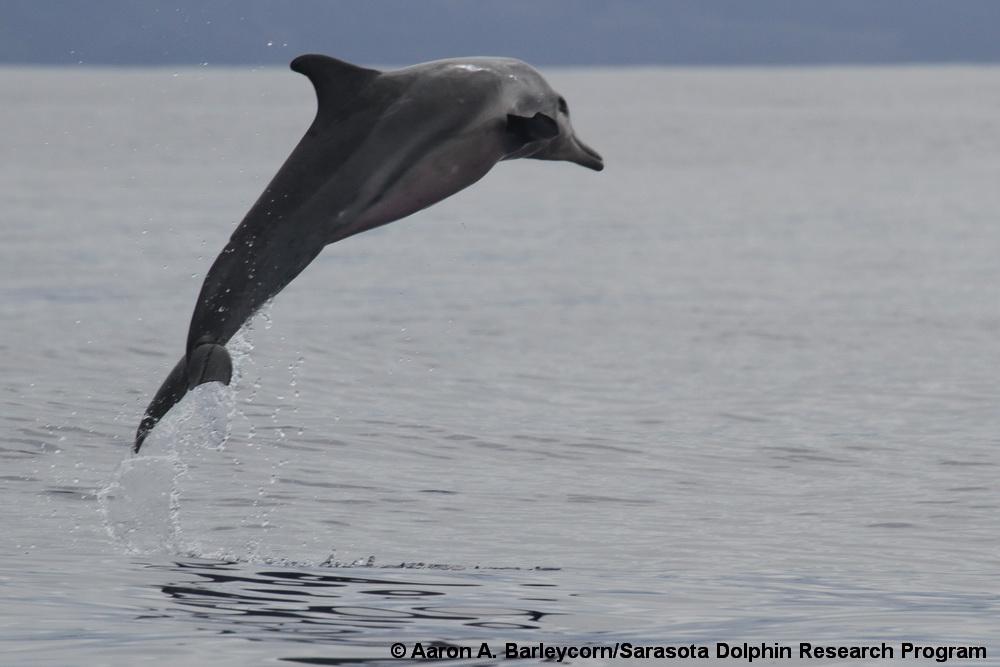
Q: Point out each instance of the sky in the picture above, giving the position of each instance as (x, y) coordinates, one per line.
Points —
(543, 32)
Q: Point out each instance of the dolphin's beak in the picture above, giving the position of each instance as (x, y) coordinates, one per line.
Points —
(567, 147)
(585, 156)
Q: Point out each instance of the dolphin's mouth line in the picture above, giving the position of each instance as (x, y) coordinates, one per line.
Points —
(591, 152)
(596, 162)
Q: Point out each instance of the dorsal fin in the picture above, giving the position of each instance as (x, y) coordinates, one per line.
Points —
(335, 81)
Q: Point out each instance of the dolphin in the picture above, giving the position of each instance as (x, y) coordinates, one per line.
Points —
(383, 145)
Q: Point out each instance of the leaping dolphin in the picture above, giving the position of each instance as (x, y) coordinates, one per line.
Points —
(383, 145)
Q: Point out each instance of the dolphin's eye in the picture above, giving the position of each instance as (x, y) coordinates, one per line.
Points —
(563, 107)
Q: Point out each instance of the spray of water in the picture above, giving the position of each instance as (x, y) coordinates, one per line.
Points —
(141, 504)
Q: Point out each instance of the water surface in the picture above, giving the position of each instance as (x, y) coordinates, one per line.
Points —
(739, 387)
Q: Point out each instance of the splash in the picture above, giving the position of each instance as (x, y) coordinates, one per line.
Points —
(141, 505)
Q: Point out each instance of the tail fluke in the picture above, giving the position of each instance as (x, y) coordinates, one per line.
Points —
(171, 391)
(210, 362)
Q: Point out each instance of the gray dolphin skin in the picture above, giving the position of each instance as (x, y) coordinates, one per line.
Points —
(383, 145)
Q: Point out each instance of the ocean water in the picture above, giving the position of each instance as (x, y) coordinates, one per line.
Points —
(740, 387)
